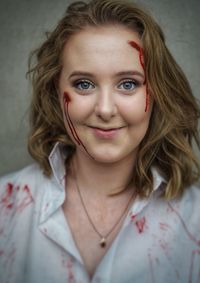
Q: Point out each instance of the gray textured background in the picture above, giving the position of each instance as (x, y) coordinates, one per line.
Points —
(22, 26)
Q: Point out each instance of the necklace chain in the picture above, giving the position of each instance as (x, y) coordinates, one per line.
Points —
(103, 238)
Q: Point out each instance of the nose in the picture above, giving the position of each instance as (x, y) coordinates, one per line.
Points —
(105, 107)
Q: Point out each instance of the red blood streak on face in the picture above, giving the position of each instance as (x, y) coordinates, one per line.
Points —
(140, 50)
(1, 252)
(67, 100)
(67, 97)
(140, 224)
(190, 236)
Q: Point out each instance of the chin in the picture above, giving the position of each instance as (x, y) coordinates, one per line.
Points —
(109, 155)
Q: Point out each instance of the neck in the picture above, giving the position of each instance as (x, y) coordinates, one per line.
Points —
(102, 179)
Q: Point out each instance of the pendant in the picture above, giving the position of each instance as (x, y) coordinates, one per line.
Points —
(103, 242)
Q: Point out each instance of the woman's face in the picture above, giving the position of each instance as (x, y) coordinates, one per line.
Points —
(104, 79)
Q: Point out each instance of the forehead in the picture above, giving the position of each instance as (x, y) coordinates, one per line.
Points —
(99, 45)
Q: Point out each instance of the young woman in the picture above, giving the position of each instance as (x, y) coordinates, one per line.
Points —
(111, 195)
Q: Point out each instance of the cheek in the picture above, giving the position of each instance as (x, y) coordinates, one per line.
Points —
(133, 109)
(80, 108)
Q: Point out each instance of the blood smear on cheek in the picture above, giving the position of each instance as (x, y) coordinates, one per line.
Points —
(67, 100)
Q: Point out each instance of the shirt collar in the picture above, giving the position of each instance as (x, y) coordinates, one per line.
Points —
(158, 178)
(57, 161)
(54, 198)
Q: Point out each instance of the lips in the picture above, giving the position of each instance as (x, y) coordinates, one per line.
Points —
(106, 133)
(106, 129)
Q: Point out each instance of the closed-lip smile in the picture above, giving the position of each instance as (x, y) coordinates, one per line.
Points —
(106, 133)
(106, 129)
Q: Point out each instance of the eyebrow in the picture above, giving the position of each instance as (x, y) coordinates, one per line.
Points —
(79, 73)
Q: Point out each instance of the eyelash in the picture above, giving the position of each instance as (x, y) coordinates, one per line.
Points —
(78, 82)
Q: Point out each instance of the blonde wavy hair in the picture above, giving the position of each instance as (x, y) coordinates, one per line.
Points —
(174, 121)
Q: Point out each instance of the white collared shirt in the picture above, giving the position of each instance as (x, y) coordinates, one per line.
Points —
(159, 241)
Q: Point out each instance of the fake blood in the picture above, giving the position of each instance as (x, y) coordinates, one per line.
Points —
(26, 200)
(9, 199)
(67, 100)
(194, 254)
(68, 264)
(141, 56)
(190, 236)
(6, 199)
(151, 267)
(193, 239)
(140, 224)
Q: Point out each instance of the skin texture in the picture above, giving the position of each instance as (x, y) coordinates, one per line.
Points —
(105, 102)
(103, 161)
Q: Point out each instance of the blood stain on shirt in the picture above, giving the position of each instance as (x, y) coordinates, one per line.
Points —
(5, 200)
(140, 224)
(28, 199)
(164, 226)
(45, 230)
(193, 255)
(10, 201)
(68, 264)
(163, 244)
(184, 225)
(193, 239)
(151, 267)
(133, 217)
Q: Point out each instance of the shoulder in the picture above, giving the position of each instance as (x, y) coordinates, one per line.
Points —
(26, 181)
(29, 174)
(191, 198)
(187, 209)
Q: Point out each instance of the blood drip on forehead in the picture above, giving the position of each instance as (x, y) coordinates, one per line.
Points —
(141, 59)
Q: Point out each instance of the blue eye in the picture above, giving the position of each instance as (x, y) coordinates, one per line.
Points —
(83, 85)
(128, 85)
